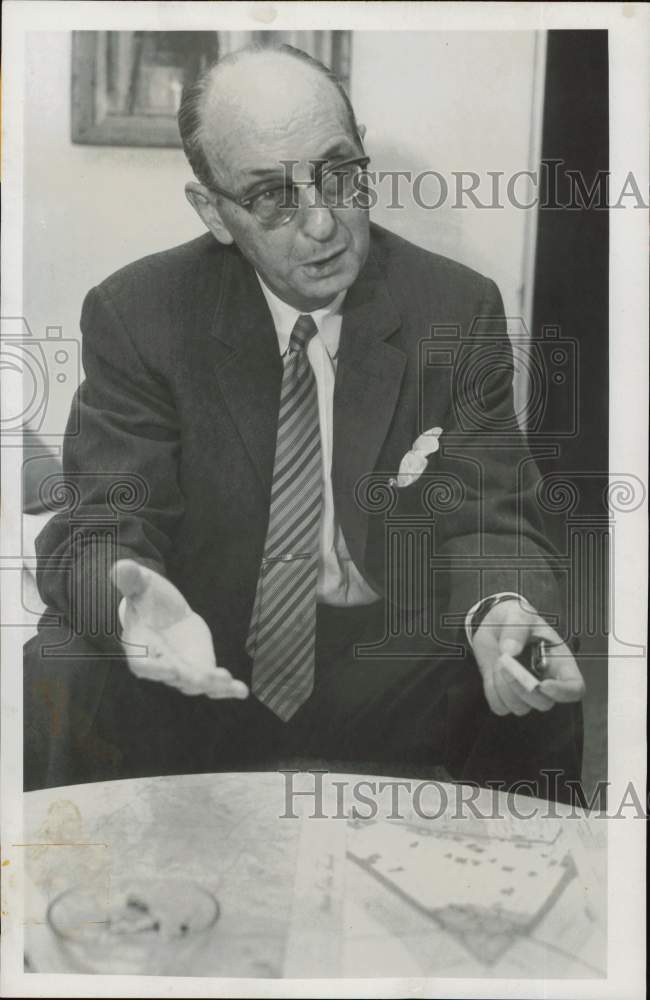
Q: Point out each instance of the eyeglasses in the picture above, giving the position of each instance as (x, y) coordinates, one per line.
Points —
(337, 186)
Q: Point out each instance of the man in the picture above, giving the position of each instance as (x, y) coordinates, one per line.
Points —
(252, 384)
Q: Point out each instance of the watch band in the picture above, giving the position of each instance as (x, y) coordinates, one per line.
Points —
(480, 611)
(482, 608)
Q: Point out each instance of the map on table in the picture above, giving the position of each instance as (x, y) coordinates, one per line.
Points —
(424, 899)
(484, 890)
(331, 897)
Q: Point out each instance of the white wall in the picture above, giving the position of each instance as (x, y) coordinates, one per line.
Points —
(439, 101)
(88, 209)
(452, 101)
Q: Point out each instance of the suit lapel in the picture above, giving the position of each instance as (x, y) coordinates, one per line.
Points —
(368, 380)
(248, 364)
(248, 369)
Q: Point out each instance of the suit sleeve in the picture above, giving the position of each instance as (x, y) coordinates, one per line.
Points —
(495, 539)
(119, 495)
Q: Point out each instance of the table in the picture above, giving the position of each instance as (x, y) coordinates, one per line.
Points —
(427, 886)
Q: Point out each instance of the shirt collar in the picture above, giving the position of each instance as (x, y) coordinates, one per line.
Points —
(284, 318)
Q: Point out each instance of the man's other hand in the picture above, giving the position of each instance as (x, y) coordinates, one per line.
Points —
(498, 643)
(164, 640)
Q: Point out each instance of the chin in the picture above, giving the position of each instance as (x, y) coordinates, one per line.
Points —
(321, 293)
(330, 286)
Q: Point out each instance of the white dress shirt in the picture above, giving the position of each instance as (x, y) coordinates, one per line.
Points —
(339, 580)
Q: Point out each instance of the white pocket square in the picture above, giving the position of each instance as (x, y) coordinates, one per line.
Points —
(415, 461)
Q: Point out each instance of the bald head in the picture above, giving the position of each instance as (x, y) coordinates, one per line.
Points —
(259, 101)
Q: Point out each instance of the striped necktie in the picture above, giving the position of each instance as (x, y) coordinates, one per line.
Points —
(282, 632)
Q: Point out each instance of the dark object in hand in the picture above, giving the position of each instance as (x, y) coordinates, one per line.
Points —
(535, 658)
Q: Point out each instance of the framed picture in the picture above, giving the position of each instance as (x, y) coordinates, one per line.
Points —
(127, 85)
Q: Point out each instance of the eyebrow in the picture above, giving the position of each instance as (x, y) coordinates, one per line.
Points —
(342, 147)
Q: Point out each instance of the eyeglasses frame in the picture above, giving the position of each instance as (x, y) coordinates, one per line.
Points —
(246, 201)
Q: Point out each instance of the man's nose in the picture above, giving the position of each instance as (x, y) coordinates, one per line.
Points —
(316, 220)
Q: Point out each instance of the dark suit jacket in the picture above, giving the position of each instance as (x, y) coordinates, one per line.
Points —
(180, 400)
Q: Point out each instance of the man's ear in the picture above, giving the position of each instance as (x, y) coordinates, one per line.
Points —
(203, 202)
(361, 129)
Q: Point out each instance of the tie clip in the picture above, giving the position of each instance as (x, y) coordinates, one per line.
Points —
(287, 557)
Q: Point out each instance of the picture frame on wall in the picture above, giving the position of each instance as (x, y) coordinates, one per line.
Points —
(127, 85)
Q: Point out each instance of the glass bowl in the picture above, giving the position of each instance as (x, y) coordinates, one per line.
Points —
(136, 926)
